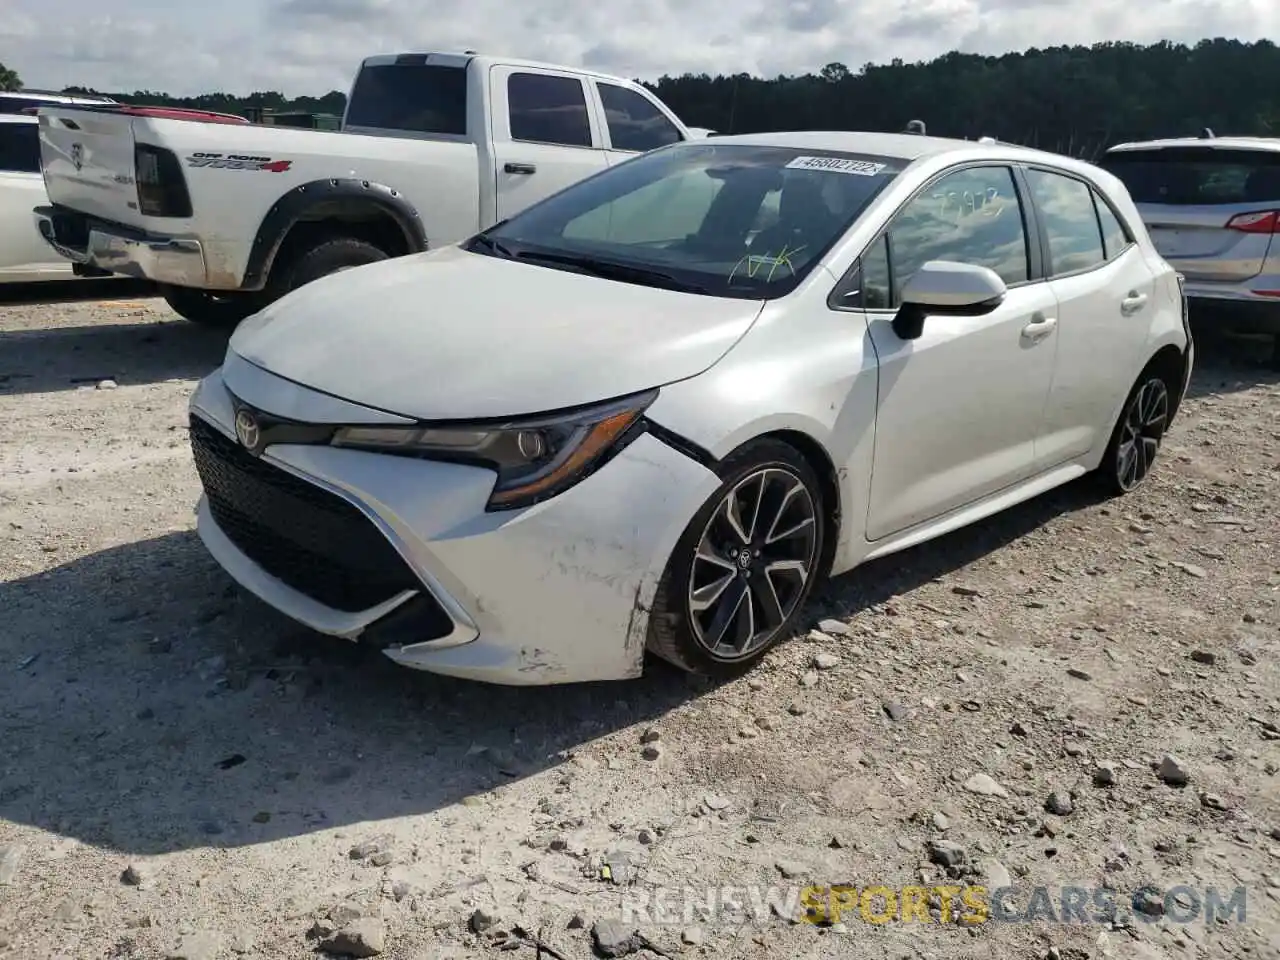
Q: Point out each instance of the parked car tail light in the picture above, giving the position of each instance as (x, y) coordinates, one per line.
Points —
(162, 189)
(1264, 221)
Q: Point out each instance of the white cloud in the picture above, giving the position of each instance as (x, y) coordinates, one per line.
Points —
(312, 46)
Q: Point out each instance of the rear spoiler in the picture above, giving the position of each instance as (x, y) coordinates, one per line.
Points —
(152, 113)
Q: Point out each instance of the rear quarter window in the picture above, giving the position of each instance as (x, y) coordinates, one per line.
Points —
(1192, 176)
(415, 98)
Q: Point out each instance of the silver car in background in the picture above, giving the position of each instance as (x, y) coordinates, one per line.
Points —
(1212, 207)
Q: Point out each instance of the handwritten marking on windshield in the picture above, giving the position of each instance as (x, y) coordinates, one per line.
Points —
(754, 262)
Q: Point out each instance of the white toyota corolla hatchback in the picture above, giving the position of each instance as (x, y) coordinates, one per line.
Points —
(651, 411)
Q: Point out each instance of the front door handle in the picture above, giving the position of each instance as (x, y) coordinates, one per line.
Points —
(1039, 327)
(1134, 302)
(524, 168)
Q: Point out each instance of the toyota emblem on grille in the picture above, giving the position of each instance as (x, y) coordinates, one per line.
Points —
(247, 430)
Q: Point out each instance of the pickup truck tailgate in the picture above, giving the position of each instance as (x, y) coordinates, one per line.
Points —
(87, 159)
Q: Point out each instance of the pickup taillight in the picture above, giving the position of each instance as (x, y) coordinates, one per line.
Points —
(162, 189)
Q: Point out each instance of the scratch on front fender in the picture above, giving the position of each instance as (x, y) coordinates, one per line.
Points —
(638, 626)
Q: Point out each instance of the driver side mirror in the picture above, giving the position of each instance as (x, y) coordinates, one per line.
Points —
(948, 288)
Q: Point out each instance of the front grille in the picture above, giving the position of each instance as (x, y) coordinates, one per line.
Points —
(311, 539)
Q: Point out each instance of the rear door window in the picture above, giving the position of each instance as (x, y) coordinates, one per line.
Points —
(19, 148)
(1197, 176)
(1070, 222)
(635, 123)
(415, 98)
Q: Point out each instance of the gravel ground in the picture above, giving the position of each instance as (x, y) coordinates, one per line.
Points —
(186, 774)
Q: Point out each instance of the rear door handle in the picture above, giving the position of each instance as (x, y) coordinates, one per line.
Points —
(1039, 327)
(1133, 303)
(524, 168)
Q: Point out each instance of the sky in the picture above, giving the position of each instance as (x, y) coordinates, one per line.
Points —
(308, 47)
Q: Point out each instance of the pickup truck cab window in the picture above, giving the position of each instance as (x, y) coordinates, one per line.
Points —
(545, 108)
(635, 123)
(415, 98)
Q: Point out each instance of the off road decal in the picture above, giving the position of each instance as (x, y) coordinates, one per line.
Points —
(231, 161)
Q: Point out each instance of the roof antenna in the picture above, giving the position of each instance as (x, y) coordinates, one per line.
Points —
(1207, 134)
(915, 127)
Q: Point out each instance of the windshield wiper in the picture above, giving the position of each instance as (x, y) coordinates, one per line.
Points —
(492, 245)
(610, 270)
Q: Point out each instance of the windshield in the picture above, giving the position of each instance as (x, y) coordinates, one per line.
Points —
(1189, 176)
(724, 220)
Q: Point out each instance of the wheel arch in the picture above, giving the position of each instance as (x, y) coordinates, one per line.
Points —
(820, 461)
(1171, 362)
(359, 208)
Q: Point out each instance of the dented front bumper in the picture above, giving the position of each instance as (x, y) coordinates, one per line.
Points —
(555, 593)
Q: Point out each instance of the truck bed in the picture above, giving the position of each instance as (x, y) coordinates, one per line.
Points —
(217, 181)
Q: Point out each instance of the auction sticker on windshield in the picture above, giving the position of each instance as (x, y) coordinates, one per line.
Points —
(861, 168)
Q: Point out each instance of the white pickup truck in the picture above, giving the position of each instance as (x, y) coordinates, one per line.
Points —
(433, 148)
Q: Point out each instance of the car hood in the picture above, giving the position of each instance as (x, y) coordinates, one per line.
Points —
(450, 335)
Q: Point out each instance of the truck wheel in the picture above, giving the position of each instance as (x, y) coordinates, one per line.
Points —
(328, 256)
(212, 309)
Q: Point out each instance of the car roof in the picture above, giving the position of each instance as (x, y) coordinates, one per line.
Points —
(1266, 144)
(18, 118)
(459, 57)
(902, 146)
(29, 94)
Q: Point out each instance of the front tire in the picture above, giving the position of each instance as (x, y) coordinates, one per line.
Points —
(744, 567)
(212, 309)
(1138, 434)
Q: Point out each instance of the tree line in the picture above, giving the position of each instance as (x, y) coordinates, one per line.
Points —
(1074, 100)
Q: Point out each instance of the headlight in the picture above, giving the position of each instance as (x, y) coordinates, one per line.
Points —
(534, 459)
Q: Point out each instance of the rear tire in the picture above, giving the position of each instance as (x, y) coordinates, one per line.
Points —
(212, 309)
(1138, 434)
(741, 573)
(326, 257)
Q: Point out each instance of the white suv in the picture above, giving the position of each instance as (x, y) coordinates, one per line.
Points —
(24, 255)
